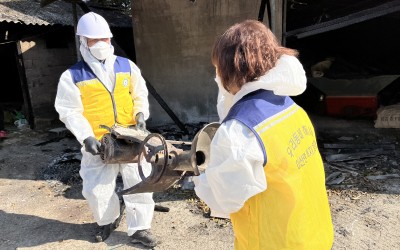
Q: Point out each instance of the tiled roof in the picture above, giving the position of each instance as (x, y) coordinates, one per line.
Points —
(30, 12)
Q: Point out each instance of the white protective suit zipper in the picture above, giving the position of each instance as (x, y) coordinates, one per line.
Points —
(112, 98)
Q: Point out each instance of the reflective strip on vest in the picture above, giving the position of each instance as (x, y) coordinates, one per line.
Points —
(102, 107)
(293, 213)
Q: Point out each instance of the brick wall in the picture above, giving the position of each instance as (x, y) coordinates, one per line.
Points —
(43, 67)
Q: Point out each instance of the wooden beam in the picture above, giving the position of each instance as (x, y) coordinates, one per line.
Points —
(358, 17)
(77, 43)
(284, 17)
(276, 18)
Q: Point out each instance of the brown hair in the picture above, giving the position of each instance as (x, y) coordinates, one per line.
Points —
(246, 51)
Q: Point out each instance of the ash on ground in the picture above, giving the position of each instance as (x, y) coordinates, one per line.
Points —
(63, 172)
(363, 162)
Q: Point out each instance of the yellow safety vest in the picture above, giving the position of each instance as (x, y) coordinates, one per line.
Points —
(293, 213)
(102, 107)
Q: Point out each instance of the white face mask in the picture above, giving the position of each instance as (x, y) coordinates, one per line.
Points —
(218, 80)
(100, 50)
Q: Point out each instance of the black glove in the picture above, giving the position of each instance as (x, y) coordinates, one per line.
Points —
(92, 145)
(140, 122)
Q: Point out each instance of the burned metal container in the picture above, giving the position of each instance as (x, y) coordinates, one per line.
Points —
(168, 163)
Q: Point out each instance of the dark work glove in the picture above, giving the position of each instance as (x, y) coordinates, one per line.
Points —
(92, 145)
(140, 122)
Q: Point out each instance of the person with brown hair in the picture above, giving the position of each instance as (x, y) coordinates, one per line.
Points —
(265, 171)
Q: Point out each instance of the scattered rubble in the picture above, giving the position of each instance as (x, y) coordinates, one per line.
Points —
(364, 210)
(362, 162)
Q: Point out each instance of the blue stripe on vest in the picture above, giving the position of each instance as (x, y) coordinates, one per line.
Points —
(82, 72)
(255, 108)
(121, 65)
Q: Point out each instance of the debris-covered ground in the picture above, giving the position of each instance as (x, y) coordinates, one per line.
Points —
(367, 162)
(43, 208)
(363, 180)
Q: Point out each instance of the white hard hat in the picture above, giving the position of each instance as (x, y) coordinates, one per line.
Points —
(92, 25)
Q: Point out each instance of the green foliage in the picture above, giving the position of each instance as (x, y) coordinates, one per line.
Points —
(18, 115)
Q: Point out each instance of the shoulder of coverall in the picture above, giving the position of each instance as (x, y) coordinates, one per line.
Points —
(248, 100)
(81, 70)
(122, 64)
(135, 68)
(252, 109)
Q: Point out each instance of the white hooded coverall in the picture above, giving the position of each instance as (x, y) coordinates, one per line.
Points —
(99, 179)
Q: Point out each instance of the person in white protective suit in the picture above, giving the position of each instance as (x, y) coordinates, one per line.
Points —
(265, 172)
(104, 89)
(287, 78)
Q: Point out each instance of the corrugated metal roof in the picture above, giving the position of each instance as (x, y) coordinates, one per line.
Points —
(59, 12)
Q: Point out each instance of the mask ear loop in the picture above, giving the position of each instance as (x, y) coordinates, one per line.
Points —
(83, 41)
